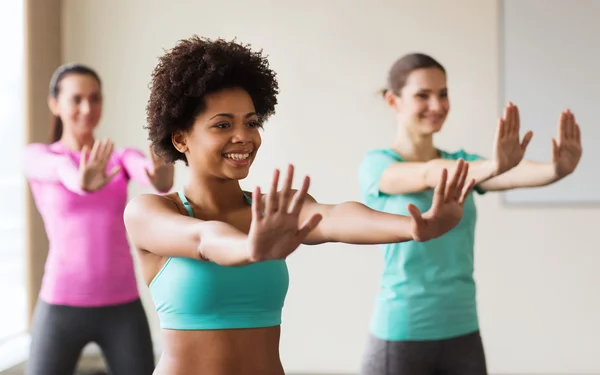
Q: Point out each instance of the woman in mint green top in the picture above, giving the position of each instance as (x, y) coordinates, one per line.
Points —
(425, 320)
(213, 254)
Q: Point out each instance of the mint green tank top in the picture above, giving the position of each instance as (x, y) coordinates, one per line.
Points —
(191, 294)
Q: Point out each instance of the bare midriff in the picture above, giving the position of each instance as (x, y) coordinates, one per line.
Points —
(221, 352)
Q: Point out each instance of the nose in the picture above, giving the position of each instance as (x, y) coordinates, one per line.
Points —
(241, 134)
(85, 107)
(435, 104)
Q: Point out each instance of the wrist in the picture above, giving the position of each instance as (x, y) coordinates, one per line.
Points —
(553, 173)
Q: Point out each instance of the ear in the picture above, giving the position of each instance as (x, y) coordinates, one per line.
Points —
(53, 105)
(179, 141)
(391, 100)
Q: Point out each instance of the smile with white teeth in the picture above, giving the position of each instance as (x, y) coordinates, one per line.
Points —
(238, 156)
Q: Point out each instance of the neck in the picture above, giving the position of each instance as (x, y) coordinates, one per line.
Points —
(214, 195)
(414, 147)
(76, 143)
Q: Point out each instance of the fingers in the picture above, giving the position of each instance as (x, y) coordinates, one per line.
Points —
(308, 225)
(271, 204)
(517, 118)
(501, 129)
(83, 157)
(101, 152)
(562, 128)
(451, 189)
(526, 140)
(461, 181)
(256, 203)
(510, 119)
(506, 120)
(440, 189)
(466, 191)
(286, 193)
(107, 149)
(300, 197)
(577, 133)
(94, 150)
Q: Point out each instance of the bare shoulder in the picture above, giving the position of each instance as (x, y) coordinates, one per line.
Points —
(145, 203)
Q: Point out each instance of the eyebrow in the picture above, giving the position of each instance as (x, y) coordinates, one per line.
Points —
(230, 115)
(429, 90)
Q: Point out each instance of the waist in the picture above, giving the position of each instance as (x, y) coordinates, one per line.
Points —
(89, 286)
(219, 320)
(221, 352)
(425, 317)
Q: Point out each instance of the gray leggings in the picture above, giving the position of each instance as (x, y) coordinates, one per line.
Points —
(463, 355)
(59, 334)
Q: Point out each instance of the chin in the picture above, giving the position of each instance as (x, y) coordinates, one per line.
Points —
(237, 170)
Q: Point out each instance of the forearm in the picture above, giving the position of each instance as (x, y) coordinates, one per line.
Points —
(526, 174)
(355, 223)
(479, 170)
(223, 244)
(68, 175)
(42, 165)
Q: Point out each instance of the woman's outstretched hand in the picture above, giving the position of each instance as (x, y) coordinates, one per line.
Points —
(566, 148)
(447, 208)
(161, 174)
(509, 150)
(92, 166)
(277, 232)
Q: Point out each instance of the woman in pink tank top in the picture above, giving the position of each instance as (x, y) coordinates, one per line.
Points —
(79, 183)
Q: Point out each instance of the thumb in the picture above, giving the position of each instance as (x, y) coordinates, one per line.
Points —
(113, 172)
(416, 215)
(308, 225)
(526, 140)
(554, 149)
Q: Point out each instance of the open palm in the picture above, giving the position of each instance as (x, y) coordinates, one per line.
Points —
(277, 232)
(566, 148)
(93, 163)
(161, 174)
(509, 150)
(447, 207)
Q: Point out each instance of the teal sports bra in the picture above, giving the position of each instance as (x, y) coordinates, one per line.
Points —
(191, 294)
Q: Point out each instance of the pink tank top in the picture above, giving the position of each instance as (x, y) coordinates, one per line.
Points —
(89, 258)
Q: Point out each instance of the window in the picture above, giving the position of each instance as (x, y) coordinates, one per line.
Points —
(13, 315)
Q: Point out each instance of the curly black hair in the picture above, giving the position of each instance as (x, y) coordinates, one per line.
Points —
(194, 68)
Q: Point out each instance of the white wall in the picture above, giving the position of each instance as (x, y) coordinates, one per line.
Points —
(538, 313)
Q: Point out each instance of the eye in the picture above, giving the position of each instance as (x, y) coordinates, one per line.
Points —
(422, 95)
(222, 125)
(255, 124)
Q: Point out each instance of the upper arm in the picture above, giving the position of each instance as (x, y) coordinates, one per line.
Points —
(155, 224)
(382, 174)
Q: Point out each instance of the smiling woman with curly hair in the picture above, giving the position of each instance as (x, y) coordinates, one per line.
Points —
(214, 255)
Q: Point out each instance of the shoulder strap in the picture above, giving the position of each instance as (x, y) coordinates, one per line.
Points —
(185, 202)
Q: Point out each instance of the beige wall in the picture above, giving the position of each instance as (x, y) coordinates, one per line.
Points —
(538, 313)
(42, 56)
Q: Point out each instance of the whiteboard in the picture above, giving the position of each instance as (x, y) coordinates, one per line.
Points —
(549, 61)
